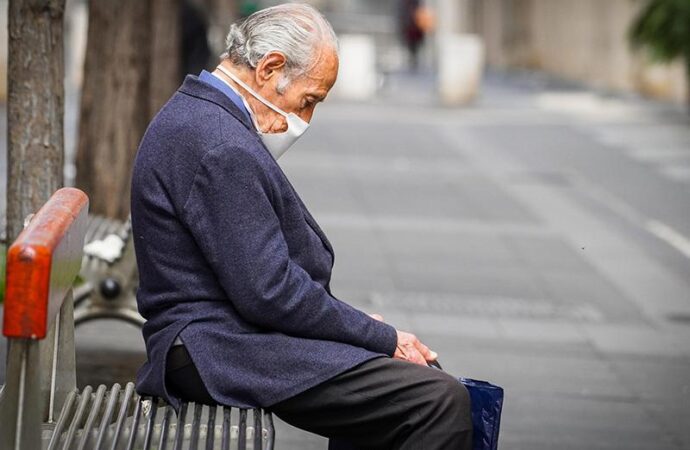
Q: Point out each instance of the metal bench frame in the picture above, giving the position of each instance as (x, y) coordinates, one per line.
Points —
(40, 406)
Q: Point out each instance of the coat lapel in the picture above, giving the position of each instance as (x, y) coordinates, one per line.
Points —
(193, 86)
(312, 222)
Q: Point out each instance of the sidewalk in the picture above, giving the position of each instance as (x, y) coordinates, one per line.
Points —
(527, 241)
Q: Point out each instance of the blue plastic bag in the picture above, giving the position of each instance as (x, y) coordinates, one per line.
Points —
(486, 403)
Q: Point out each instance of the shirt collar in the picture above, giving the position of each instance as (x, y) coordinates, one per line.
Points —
(214, 81)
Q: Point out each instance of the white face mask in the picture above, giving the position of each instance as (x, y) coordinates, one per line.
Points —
(276, 143)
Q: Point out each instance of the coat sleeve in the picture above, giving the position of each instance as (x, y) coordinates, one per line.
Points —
(230, 214)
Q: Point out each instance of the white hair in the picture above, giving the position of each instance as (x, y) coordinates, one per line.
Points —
(296, 30)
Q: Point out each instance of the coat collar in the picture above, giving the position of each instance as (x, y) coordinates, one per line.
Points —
(193, 86)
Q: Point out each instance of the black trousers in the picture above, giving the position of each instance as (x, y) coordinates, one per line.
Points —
(381, 404)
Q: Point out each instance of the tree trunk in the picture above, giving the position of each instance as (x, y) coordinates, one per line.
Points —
(34, 108)
(687, 81)
(130, 70)
(165, 52)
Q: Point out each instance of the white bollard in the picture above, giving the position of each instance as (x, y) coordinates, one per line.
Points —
(460, 67)
(357, 77)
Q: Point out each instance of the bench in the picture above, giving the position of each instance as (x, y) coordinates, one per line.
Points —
(40, 406)
(108, 273)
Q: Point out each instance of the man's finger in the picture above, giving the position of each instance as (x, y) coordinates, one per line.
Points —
(417, 357)
(411, 354)
(378, 317)
(425, 352)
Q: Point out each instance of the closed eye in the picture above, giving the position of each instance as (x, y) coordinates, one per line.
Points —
(312, 100)
(308, 104)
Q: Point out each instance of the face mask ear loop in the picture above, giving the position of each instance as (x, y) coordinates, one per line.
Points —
(251, 91)
(244, 101)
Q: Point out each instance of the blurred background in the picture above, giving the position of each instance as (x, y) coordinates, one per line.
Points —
(508, 179)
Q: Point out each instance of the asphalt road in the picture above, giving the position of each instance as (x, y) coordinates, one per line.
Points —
(539, 239)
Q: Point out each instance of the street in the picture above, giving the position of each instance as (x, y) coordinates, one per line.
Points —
(539, 239)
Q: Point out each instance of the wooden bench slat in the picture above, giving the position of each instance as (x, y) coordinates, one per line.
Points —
(196, 423)
(65, 414)
(122, 415)
(88, 421)
(91, 418)
(108, 414)
(134, 428)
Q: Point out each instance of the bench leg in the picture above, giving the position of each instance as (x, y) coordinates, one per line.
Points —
(40, 375)
(20, 401)
(58, 362)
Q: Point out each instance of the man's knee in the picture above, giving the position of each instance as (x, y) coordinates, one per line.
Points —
(446, 418)
(458, 393)
(453, 401)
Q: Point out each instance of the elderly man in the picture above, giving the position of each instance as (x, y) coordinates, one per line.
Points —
(235, 272)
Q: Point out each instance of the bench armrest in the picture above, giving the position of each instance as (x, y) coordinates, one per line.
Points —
(42, 264)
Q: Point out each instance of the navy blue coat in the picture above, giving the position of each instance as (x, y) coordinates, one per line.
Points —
(231, 260)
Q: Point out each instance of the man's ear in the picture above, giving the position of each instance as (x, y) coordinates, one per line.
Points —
(269, 67)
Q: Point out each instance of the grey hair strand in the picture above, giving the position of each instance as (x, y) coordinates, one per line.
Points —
(293, 29)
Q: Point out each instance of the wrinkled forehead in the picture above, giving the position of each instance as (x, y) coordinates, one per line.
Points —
(324, 70)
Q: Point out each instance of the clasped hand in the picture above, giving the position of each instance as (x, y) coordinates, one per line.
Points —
(410, 348)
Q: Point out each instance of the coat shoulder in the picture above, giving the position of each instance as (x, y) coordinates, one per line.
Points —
(190, 132)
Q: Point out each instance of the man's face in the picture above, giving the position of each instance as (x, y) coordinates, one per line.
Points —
(301, 95)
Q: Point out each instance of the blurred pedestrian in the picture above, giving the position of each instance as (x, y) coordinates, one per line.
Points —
(416, 20)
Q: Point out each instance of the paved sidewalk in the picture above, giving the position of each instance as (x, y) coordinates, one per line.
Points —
(539, 239)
